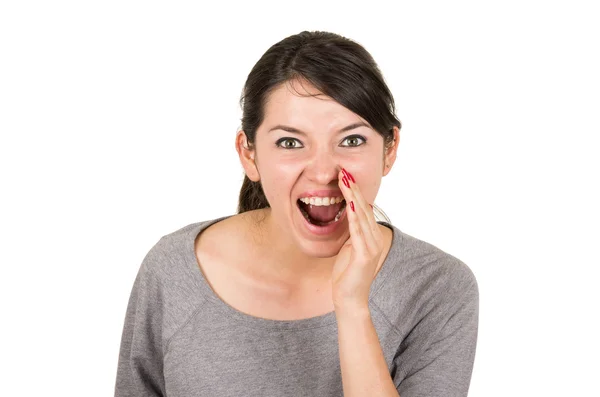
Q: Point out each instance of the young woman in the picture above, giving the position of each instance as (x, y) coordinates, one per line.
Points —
(303, 292)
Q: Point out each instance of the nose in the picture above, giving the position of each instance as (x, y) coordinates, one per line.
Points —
(323, 168)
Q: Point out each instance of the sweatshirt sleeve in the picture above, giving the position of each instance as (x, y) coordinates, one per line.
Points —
(444, 344)
(140, 364)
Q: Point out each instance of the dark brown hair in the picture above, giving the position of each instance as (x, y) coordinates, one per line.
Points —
(338, 67)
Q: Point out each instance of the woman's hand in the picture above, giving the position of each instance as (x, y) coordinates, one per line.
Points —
(356, 263)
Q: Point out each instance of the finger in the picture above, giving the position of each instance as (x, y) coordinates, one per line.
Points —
(358, 219)
(356, 233)
(367, 220)
(373, 235)
(366, 207)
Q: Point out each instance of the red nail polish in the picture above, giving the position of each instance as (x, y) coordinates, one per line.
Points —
(348, 175)
(345, 173)
(346, 182)
(351, 178)
(352, 206)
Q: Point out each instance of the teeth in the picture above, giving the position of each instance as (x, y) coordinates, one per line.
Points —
(337, 217)
(321, 200)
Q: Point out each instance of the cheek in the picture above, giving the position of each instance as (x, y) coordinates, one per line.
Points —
(368, 188)
(372, 190)
(369, 182)
(277, 184)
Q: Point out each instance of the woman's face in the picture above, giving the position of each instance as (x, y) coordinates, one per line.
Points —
(290, 164)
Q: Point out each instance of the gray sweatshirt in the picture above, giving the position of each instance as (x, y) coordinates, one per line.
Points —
(180, 339)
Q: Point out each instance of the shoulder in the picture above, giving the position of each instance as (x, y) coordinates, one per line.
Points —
(425, 287)
(426, 275)
(434, 307)
(168, 286)
(169, 252)
(176, 248)
(426, 261)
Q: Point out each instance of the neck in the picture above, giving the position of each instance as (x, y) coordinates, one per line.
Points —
(281, 257)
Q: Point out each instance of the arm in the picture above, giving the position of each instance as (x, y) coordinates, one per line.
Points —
(363, 366)
(140, 370)
(364, 370)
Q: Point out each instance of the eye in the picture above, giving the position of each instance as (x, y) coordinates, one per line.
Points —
(353, 138)
(290, 145)
(278, 143)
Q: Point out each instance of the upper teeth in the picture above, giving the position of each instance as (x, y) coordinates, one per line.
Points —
(321, 200)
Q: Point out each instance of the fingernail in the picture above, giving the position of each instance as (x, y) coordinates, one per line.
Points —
(351, 177)
(345, 173)
(346, 182)
(352, 206)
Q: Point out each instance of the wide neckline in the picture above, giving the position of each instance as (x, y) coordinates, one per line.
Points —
(248, 320)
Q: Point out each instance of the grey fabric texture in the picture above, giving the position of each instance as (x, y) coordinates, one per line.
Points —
(180, 339)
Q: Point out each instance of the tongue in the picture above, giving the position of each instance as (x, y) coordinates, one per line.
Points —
(323, 213)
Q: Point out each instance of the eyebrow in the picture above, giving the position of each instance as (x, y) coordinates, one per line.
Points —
(297, 131)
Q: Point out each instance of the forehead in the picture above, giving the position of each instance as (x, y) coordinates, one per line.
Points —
(301, 104)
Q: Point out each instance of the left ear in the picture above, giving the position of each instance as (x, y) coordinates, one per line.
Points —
(391, 152)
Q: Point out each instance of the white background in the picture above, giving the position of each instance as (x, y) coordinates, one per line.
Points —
(118, 119)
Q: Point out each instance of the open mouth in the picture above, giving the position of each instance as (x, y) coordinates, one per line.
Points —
(327, 214)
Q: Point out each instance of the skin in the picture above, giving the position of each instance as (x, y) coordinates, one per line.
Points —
(314, 162)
